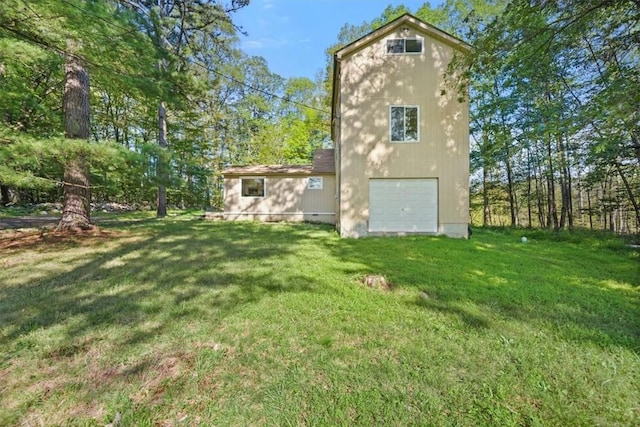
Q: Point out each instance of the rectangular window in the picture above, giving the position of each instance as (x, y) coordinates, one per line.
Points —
(395, 46)
(400, 46)
(314, 183)
(413, 46)
(252, 187)
(404, 123)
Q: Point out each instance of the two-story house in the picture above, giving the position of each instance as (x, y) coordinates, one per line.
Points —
(401, 138)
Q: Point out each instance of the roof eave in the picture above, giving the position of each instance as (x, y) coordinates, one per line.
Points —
(274, 173)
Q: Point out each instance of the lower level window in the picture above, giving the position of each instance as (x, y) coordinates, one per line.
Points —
(314, 183)
(252, 187)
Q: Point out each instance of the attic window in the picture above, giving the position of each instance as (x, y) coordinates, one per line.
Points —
(400, 46)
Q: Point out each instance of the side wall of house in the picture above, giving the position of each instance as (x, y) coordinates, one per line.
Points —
(371, 81)
(287, 198)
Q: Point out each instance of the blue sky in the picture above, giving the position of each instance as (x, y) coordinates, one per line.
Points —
(292, 35)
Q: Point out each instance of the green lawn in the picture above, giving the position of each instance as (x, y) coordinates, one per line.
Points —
(186, 322)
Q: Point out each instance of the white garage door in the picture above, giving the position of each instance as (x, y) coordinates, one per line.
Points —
(403, 205)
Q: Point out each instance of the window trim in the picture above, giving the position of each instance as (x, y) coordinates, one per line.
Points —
(391, 140)
(315, 188)
(264, 186)
(404, 46)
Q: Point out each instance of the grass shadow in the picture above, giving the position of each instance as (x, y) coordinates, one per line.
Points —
(153, 274)
(584, 289)
(238, 323)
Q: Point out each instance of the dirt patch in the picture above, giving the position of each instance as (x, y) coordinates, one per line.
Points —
(30, 239)
(161, 372)
(377, 281)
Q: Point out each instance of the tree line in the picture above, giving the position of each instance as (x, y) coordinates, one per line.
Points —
(556, 123)
(553, 86)
(140, 102)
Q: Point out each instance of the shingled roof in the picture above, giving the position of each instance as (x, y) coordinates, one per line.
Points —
(323, 163)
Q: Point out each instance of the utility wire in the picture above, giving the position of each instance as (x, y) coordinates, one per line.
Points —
(43, 42)
(203, 66)
(282, 98)
(36, 39)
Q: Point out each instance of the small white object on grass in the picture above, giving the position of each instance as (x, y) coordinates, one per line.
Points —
(116, 420)
(524, 239)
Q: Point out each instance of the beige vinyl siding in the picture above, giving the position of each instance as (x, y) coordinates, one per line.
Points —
(371, 81)
(287, 198)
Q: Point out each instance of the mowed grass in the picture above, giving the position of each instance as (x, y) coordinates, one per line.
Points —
(186, 322)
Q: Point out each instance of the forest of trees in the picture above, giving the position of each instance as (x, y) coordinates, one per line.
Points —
(145, 102)
(172, 101)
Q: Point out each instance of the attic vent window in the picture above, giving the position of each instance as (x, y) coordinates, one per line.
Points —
(400, 46)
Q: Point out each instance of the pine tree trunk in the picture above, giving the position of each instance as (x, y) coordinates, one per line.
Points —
(4, 195)
(603, 204)
(551, 192)
(565, 186)
(511, 191)
(540, 195)
(627, 186)
(570, 211)
(580, 201)
(161, 167)
(590, 211)
(486, 212)
(76, 200)
(635, 140)
(529, 224)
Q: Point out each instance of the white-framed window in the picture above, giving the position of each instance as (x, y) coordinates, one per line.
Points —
(404, 123)
(314, 183)
(253, 186)
(404, 46)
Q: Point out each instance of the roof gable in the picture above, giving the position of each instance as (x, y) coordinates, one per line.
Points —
(404, 20)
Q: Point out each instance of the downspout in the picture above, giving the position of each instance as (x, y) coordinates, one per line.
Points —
(336, 134)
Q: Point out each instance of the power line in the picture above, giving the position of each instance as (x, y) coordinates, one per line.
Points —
(282, 98)
(38, 40)
(204, 66)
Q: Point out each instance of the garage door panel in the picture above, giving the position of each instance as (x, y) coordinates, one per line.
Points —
(403, 205)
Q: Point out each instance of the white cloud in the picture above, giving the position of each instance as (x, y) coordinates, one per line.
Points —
(269, 4)
(253, 44)
(265, 43)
